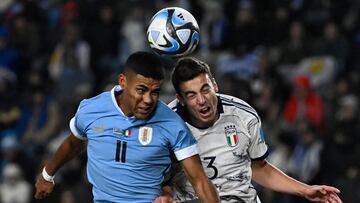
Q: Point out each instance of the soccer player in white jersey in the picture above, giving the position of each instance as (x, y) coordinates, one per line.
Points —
(231, 141)
(130, 136)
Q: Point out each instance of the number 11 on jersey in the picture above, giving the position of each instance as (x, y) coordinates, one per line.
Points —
(120, 147)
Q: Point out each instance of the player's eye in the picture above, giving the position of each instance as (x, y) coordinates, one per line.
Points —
(206, 90)
(190, 96)
(140, 91)
(155, 94)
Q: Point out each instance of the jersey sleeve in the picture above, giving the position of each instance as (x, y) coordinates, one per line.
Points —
(184, 145)
(77, 124)
(258, 148)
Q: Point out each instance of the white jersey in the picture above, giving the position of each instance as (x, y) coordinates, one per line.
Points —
(226, 151)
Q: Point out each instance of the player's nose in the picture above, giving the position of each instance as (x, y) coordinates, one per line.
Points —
(200, 99)
(148, 99)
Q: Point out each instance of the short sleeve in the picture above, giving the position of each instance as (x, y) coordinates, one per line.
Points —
(77, 124)
(76, 130)
(184, 145)
(258, 148)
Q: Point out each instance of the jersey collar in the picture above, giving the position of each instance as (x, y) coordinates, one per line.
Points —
(114, 92)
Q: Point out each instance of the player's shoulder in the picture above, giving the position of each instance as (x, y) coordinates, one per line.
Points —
(233, 105)
(178, 108)
(173, 104)
(165, 111)
(169, 119)
(94, 104)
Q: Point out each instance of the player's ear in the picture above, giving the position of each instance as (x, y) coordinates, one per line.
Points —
(216, 88)
(122, 80)
(181, 101)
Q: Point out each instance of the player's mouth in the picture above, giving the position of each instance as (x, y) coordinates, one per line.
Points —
(144, 110)
(205, 112)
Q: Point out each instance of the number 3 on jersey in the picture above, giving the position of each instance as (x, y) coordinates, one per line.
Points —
(210, 165)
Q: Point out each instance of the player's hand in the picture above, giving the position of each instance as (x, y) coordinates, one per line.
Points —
(164, 199)
(323, 193)
(43, 188)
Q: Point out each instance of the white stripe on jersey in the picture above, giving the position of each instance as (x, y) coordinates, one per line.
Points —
(187, 152)
(243, 106)
(74, 130)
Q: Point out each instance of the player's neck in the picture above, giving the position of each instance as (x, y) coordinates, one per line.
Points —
(121, 102)
(199, 124)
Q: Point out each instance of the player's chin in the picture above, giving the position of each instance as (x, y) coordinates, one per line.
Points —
(143, 115)
(206, 121)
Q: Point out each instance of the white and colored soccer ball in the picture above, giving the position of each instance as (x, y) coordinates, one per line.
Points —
(173, 32)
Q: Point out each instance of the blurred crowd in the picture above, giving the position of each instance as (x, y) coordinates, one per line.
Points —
(297, 62)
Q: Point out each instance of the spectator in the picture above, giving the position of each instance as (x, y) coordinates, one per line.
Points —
(104, 40)
(40, 116)
(9, 105)
(25, 38)
(296, 46)
(333, 44)
(13, 187)
(71, 54)
(70, 62)
(304, 104)
(12, 152)
(304, 163)
(8, 56)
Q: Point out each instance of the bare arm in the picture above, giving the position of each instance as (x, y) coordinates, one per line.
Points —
(198, 179)
(70, 147)
(272, 178)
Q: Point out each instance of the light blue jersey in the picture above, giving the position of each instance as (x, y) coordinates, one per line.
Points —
(127, 157)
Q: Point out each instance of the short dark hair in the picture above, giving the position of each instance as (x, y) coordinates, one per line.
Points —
(187, 69)
(146, 64)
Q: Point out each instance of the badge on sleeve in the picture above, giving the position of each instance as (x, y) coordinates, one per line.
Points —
(145, 135)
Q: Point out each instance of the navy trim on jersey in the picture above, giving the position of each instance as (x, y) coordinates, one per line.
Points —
(229, 102)
(175, 107)
(232, 197)
(179, 109)
(117, 93)
(239, 107)
(235, 102)
(263, 156)
(220, 107)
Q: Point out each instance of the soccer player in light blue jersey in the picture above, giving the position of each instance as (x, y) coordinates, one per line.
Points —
(130, 136)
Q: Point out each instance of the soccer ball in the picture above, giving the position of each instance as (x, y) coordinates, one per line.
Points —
(173, 32)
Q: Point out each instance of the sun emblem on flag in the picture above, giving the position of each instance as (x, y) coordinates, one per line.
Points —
(231, 135)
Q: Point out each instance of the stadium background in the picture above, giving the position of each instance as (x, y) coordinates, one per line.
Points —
(53, 53)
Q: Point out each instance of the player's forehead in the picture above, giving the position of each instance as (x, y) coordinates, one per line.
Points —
(142, 81)
(197, 83)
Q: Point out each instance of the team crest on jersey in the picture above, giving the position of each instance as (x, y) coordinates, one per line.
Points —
(145, 135)
(231, 135)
